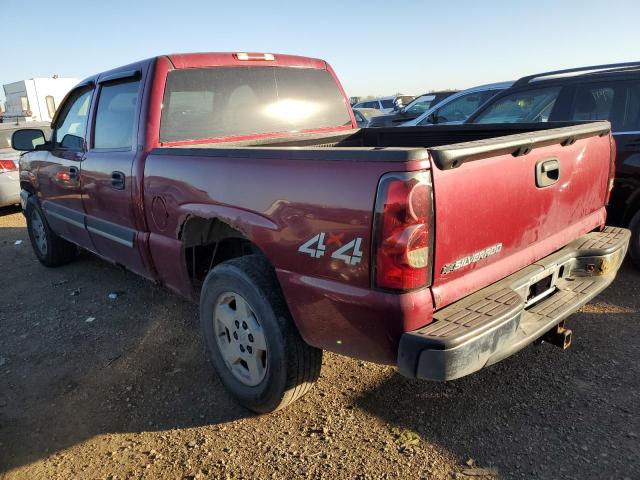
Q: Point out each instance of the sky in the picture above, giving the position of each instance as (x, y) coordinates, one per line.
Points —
(376, 47)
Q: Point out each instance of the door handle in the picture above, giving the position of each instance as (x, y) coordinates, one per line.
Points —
(547, 172)
(73, 173)
(117, 180)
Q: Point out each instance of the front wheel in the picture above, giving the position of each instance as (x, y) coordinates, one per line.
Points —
(50, 249)
(251, 339)
(634, 245)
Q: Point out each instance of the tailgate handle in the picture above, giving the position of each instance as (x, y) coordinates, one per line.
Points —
(547, 172)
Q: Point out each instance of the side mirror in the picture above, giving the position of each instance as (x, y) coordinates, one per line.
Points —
(433, 118)
(27, 139)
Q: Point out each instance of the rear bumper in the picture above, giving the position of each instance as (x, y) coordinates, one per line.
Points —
(499, 320)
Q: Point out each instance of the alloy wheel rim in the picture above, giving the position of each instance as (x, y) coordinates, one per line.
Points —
(240, 338)
(39, 233)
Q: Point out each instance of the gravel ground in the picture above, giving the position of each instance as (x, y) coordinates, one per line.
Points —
(92, 387)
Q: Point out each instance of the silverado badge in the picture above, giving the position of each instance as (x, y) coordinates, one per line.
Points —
(469, 259)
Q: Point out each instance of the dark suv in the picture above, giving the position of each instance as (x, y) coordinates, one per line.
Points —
(604, 92)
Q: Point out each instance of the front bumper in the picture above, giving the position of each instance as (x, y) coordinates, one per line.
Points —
(501, 319)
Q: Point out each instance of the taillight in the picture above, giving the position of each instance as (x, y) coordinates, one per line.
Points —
(8, 166)
(403, 231)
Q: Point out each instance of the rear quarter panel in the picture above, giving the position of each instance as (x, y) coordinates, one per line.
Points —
(280, 205)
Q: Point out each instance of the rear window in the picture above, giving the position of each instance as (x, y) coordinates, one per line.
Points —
(521, 107)
(367, 105)
(230, 101)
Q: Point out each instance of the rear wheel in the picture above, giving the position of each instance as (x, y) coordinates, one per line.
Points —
(50, 249)
(251, 339)
(634, 246)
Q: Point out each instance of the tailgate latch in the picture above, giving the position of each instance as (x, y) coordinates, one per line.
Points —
(547, 172)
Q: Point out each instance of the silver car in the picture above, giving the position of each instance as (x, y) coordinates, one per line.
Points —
(9, 175)
(458, 107)
(364, 115)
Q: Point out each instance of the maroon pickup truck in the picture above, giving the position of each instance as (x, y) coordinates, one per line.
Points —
(240, 180)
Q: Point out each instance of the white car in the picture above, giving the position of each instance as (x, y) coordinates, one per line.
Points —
(384, 104)
(457, 107)
(9, 175)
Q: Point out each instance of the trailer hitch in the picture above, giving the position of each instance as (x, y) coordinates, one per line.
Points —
(558, 336)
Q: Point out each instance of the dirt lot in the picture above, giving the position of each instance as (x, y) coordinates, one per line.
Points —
(92, 387)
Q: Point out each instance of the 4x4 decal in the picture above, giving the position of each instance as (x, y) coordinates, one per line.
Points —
(316, 252)
(350, 253)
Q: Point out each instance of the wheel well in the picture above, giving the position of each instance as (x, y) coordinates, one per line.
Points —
(624, 202)
(632, 207)
(28, 187)
(208, 242)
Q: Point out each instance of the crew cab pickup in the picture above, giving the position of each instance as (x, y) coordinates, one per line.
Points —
(240, 180)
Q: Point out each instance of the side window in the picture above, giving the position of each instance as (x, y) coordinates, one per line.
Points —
(115, 115)
(630, 121)
(387, 103)
(51, 105)
(592, 102)
(521, 107)
(72, 125)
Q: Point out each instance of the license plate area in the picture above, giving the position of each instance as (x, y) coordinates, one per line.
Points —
(541, 288)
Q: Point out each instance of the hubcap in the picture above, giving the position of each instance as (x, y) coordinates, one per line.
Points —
(240, 338)
(39, 233)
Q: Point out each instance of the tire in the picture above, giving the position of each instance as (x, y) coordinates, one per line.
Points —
(634, 245)
(279, 367)
(50, 249)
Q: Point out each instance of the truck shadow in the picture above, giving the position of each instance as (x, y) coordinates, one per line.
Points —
(543, 413)
(75, 364)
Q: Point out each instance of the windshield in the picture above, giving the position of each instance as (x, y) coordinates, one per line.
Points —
(459, 109)
(231, 101)
(529, 106)
(420, 105)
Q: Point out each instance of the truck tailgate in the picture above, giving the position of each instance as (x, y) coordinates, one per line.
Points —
(512, 201)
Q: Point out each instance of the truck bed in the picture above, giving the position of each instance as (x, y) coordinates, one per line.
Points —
(450, 145)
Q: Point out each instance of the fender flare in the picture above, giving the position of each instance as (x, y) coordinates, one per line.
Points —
(248, 223)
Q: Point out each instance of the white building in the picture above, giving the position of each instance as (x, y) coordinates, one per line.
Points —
(35, 99)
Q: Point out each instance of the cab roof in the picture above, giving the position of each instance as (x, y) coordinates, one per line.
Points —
(217, 59)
